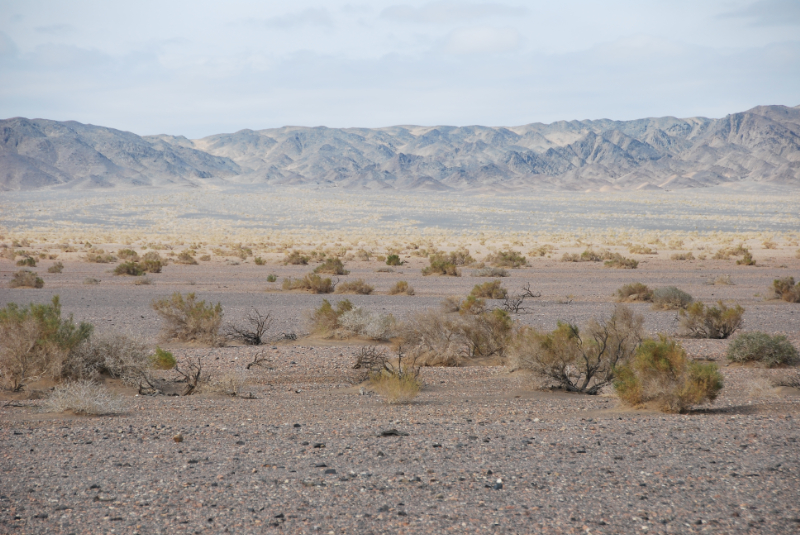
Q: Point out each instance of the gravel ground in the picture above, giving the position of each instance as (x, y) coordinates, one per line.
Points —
(478, 450)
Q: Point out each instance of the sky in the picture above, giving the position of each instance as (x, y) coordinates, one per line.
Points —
(197, 68)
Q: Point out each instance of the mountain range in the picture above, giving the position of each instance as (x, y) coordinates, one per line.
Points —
(761, 145)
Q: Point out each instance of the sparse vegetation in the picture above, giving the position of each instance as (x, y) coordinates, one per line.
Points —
(311, 282)
(722, 280)
(112, 355)
(259, 261)
(186, 319)
(128, 254)
(394, 260)
(682, 256)
(296, 258)
(346, 320)
(786, 289)
(670, 298)
(717, 322)
(272, 277)
(162, 359)
(641, 249)
(440, 264)
(746, 260)
(580, 362)
(354, 287)
(25, 278)
(91, 281)
(100, 258)
(620, 262)
(489, 290)
(57, 267)
(401, 287)
(398, 383)
(185, 257)
(509, 259)
(661, 373)
(129, 268)
(490, 272)
(334, 266)
(254, 330)
(762, 348)
(85, 398)
(205, 258)
(152, 262)
(635, 291)
(28, 261)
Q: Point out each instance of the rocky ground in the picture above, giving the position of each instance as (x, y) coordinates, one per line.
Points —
(302, 449)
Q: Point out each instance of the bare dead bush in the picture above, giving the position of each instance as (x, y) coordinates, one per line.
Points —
(254, 329)
(112, 355)
(514, 303)
(191, 373)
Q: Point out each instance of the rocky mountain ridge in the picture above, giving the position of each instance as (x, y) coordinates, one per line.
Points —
(760, 145)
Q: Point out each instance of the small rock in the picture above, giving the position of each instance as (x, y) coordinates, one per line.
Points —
(392, 433)
(319, 445)
(498, 485)
(178, 437)
(330, 471)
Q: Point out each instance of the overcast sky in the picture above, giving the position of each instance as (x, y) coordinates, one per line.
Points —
(198, 67)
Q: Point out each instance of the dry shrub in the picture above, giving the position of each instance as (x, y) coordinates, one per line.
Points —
(259, 261)
(296, 258)
(641, 249)
(311, 282)
(25, 278)
(100, 258)
(542, 250)
(112, 355)
(345, 321)
(83, 397)
(635, 291)
(620, 262)
(229, 383)
(580, 362)
(334, 266)
(128, 254)
(489, 290)
(354, 287)
(661, 373)
(28, 261)
(189, 320)
(764, 349)
(490, 272)
(401, 287)
(255, 328)
(717, 322)
(396, 389)
(670, 298)
(185, 257)
(58, 267)
(91, 281)
(363, 254)
(786, 289)
(727, 252)
(746, 260)
(722, 280)
(205, 258)
(35, 341)
(129, 268)
(440, 264)
(509, 259)
(682, 256)
(152, 262)
(143, 281)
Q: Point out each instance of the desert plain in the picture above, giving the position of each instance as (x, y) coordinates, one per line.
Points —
(305, 446)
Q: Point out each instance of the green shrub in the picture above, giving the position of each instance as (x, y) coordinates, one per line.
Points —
(259, 261)
(489, 290)
(35, 341)
(185, 257)
(57, 267)
(325, 319)
(187, 319)
(312, 282)
(128, 254)
(580, 361)
(670, 298)
(296, 258)
(440, 264)
(786, 289)
(746, 260)
(472, 305)
(25, 278)
(152, 262)
(129, 268)
(764, 349)
(162, 359)
(620, 262)
(510, 259)
(660, 372)
(401, 287)
(272, 277)
(394, 260)
(717, 322)
(354, 287)
(333, 266)
(28, 261)
(635, 291)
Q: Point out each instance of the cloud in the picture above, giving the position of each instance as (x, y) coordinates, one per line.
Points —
(7, 47)
(444, 12)
(307, 17)
(55, 29)
(482, 40)
(769, 13)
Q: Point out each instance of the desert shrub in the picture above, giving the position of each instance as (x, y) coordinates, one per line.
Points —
(229, 383)
(259, 261)
(35, 341)
(128, 254)
(162, 359)
(112, 355)
(325, 319)
(129, 268)
(440, 264)
(311, 282)
(187, 319)
(25, 278)
(620, 262)
(762, 348)
(460, 257)
(489, 290)
(510, 259)
(58, 267)
(660, 372)
(394, 260)
(185, 257)
(254, 330)
(394, 388)
(786, 289)
(635, 291)
(542, 250)
(580, 361)
(83, 397)
(242, 251)
(363, 254)
(28, 261)
(490, 272)
(152, 262)
(205, 258)
(401, 287)
(334, 266)
(717, 322)
(272, 277)
(727, 252)
(722, 280)
(589, 255)
(91, 281)
(354, 287)
(746, 260)
(682, 256)
(296, 258)
(670, 298)
(361, 322)
(100, 258)
(641, 249)
(143, 281)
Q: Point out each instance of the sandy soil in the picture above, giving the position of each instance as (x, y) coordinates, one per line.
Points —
(478, 450)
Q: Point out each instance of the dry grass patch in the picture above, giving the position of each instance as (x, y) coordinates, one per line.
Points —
(85, 398)
(401, 287)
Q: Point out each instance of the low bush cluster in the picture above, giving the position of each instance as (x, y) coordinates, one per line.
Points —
(401, 287)
(682, 256)
(28, 261)
(641, 249)
(333, 266)
(762, 348)
(346, 321)
(786, 289)
(442, 264)
(185, 257)
(489, 290)
(128, 254)
(490, 272)
(620, 262)
(57, 267)
(393, 260)
(718, 322)
(310, 282)
(186, 319)
(510, 259)
(635, 291)
(670, 298)
(354, 287)
(296, 258)
(25, 278)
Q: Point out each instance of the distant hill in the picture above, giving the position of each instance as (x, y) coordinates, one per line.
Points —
(758, 145)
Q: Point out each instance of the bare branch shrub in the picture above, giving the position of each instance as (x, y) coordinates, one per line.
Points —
(398, 382)
(187, 319)
(580, 362)
(513, 303)
(254, 330)
(83, 397)
(717, 322)
(192, 375)
(259, 359)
